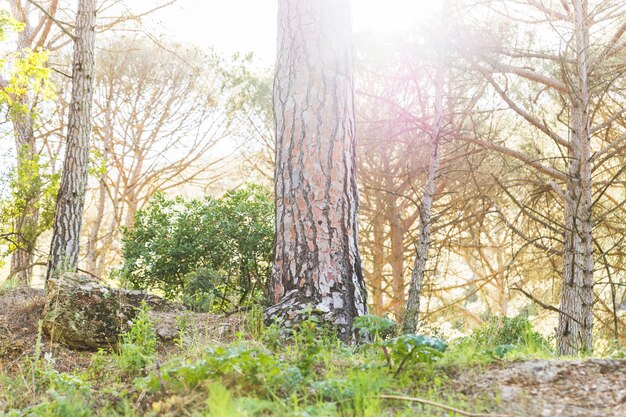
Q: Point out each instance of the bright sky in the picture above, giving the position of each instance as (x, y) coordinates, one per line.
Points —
(250, 25)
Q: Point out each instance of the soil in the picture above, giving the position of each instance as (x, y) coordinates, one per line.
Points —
(551, 388)
(539, 388)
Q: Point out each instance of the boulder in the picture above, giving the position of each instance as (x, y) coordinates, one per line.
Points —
(84, 314)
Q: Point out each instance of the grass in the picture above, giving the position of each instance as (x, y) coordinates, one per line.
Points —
(310, 374)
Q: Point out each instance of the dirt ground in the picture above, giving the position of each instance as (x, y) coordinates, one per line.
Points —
(538, 388)
(551, 388)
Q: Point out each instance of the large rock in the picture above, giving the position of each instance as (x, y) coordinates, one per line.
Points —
(84, 314)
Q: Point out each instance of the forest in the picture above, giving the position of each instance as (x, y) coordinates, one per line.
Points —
(406, 208)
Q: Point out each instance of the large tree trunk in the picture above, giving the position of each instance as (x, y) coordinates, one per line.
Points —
(411, 314)
(574, 333)
(317, 267)
(68, 217)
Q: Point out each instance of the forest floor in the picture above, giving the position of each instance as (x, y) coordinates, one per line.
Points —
(521, 387)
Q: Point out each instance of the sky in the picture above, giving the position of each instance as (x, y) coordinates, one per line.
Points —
(231, 26)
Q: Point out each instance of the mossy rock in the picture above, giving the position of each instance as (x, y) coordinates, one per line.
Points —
(85, 314)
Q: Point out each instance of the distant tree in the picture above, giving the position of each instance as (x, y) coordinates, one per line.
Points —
(71, 196)
(568, 91)
(158, 120)
(317, 267)
(23, 91)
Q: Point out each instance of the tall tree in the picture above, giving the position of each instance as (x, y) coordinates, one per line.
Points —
(574, 81)
(35, 33)
(157, 124)
(317, 267)
(71, 197)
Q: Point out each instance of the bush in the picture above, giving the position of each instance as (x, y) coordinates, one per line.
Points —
(500, 336)
(214, 252)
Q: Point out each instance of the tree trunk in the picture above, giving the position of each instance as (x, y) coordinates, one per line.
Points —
(26, 227)
(64, 248)
(378, 259)
(396, 232)
(317, 267)
(411, 315)
(94, 234)
(574, 333)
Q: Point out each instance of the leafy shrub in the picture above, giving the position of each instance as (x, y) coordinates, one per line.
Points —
(203, 289)
(249, 367)
(501, 336)
(375, 327)
(400, 350)
(498, 333)
(221, 248)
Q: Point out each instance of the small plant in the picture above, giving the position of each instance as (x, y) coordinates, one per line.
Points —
(253, 324)
(412, 347)
(399, 350)
(138, 346)
(375, 327)
(8, 285)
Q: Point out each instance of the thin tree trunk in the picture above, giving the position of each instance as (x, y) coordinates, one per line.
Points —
(574, 332)
(64, 248)
(26, 227)
(27, 224)
(94, 234)
(411, 315)
(377, 279)
(397, 232)
(317, 267)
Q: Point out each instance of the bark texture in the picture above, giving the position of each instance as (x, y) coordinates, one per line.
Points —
(68, 217)
(574, 332)
(317, 268)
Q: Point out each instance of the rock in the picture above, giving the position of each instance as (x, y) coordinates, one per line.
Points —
(84, 314)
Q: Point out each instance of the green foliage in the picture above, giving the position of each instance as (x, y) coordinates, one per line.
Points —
(32, 189)
(215, 253)
(412, 348)
(27, 74)
(8, 24)
(203, 290)
(513, 331)
(251, 367)
(500, 338)
(375, 327)
(138, 346)
(401, 350)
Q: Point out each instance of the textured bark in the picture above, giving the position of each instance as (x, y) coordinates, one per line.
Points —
(411, 315)
(317, 266)
(574, 332)
(64, 248)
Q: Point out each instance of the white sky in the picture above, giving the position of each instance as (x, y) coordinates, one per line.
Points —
(250, 25)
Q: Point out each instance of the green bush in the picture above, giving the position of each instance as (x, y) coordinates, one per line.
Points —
(213, 253)
(501, 336)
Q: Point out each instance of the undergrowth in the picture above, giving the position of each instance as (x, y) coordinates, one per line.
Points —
(266, 372)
